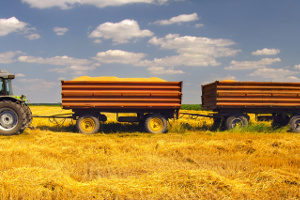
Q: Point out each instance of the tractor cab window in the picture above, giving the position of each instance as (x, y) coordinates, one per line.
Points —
(8, 87)
(2, 87)
(5, 87)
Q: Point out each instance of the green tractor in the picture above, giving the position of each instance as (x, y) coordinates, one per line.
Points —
(15, 115)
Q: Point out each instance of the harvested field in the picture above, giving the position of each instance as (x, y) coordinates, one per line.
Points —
(189, 162)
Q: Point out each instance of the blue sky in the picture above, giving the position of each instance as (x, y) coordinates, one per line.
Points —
(194, 41)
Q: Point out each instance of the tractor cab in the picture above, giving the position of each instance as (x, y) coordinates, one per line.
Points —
(15, 115)
(5, 83)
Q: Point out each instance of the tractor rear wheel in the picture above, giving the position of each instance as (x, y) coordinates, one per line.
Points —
(12, 117)
(28, 119)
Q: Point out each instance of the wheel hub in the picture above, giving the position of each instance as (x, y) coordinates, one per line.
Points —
(237, 123)
(297, 124)
(156, 124)
(8, 119)
(87, 125)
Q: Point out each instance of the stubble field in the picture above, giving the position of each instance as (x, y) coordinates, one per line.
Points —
(189, 162)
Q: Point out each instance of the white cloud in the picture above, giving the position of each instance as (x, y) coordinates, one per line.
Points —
(57, 60)
(240, 65)
(20, 75)
(97, 41)
(229, 77)
(217, 77)
(297, 66)
(67, 4)
(135, 59)
(37, 83)
(193, 51)
(68, 65)
(163, 70)
(33, 36)
(37, 89)
(120, 32)
(9, 57)
(266, 52)
(11, 25)
(275, 74)
(60, 31)
(178, 19)
(199, 25)
(119, 56)
(78, 70)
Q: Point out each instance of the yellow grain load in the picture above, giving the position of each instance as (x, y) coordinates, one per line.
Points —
(229, 80)
(114, 78)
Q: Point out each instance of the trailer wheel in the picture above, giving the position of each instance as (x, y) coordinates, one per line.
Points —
(295, 124)
(217, 123)
(234, 121)
(280, 120)
(142, 125)
(88, 124)
(155, 123)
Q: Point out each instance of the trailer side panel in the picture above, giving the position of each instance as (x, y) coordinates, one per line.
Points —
(250, 95)
(112, 95)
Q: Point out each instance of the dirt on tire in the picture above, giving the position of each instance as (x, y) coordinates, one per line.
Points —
(28, 120)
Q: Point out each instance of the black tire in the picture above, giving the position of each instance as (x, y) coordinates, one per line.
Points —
(280, 120)
(155, 123)
(217, 123)
(233, 121)
(295, 124)
(142, 125)
(88, 124)
(28, 120)
(12, 117)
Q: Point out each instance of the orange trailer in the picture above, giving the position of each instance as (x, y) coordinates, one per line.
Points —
(153, 102)
(233, 100)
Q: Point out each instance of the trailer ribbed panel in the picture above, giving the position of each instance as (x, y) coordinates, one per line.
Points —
(121, 95)
(225, 94)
